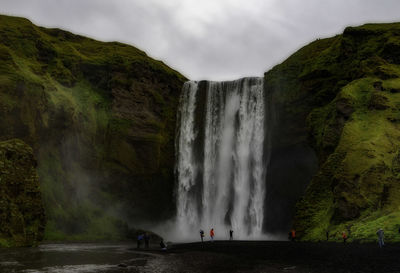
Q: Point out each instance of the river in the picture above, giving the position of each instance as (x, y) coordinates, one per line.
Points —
(207, 257)
(76, 258)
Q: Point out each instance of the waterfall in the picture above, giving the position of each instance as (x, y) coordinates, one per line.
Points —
(221, 158)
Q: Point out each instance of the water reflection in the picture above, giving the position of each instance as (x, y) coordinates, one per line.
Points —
(74, 258)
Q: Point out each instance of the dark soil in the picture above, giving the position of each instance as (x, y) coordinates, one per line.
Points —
(268, 256)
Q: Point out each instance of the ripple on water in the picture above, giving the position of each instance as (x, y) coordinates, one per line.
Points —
(9, 263)
(85, 268)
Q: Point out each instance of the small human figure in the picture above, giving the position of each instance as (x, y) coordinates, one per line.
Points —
(381, 236)
(344, 236)
(212, 234)
(327, 234)
(163, 245)
(146, 240)
(230, 234)
(139, 240)
(293, 234)
(201, 235)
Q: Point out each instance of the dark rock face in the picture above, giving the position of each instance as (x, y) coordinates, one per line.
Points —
(338, 96)
(101, 119)
(22, 215)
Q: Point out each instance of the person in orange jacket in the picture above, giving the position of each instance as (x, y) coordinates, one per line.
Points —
(212, 234)
(293, 234)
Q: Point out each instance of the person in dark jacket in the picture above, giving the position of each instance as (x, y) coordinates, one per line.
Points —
(139, 240)
(146, 240)
(230, 234)
(381, 236)
(201, 235)
(163, 245)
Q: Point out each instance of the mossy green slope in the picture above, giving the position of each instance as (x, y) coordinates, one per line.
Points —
(101, 120)
(22, 215)
(343, 94)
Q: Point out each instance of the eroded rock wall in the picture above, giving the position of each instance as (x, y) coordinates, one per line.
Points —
(22, 217)
(338, 96)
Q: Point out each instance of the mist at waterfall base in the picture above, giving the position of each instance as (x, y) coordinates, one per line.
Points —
(222, 150)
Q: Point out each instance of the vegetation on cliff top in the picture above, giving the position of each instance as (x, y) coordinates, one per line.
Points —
(346, 90)
(101, 120)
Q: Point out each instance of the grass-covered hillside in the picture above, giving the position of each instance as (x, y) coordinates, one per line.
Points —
(101, 120)
(342, 96)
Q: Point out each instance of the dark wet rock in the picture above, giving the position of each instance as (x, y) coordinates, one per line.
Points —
(378, 86)
(137, 262)
(344, 107)
(289, 268)
(391, 52)
(385, 73)
(394, 90)
(101, 119)
(22, 215)
(396, 164)
(378, 102)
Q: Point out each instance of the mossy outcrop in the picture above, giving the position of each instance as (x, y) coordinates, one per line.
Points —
(101, 120)
(22, 218)
(339, 96)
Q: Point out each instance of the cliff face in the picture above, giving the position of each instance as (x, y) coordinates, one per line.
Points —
(101, 120)
(340, 96)
(21, 209)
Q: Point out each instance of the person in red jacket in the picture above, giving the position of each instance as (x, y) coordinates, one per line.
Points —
(344, 236)
(212, 234)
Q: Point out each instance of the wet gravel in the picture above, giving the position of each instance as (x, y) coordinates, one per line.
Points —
(267, 256)
(211, 257)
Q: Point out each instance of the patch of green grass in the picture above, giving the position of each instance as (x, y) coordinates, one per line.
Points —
(365, 229)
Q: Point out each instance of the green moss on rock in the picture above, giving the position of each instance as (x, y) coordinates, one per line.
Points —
(344, 93)
(22, 215)
(101, 120)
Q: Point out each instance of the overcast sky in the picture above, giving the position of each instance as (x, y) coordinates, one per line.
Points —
(208, 39)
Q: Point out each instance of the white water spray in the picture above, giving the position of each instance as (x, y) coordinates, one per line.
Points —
(221, 165)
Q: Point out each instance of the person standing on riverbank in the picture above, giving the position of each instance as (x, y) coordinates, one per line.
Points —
(344, 236)
(139, 240)
(381, 236)
(230, 234)
(163, 245)
(146, 240)
(212, 234)
(201, 235)
(293, 234)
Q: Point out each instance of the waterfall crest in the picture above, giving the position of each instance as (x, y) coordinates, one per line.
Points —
(221, 158)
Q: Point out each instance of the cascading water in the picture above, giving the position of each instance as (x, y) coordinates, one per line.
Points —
(221, 160)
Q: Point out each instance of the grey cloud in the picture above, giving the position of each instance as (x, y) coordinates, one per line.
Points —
(222, 39)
